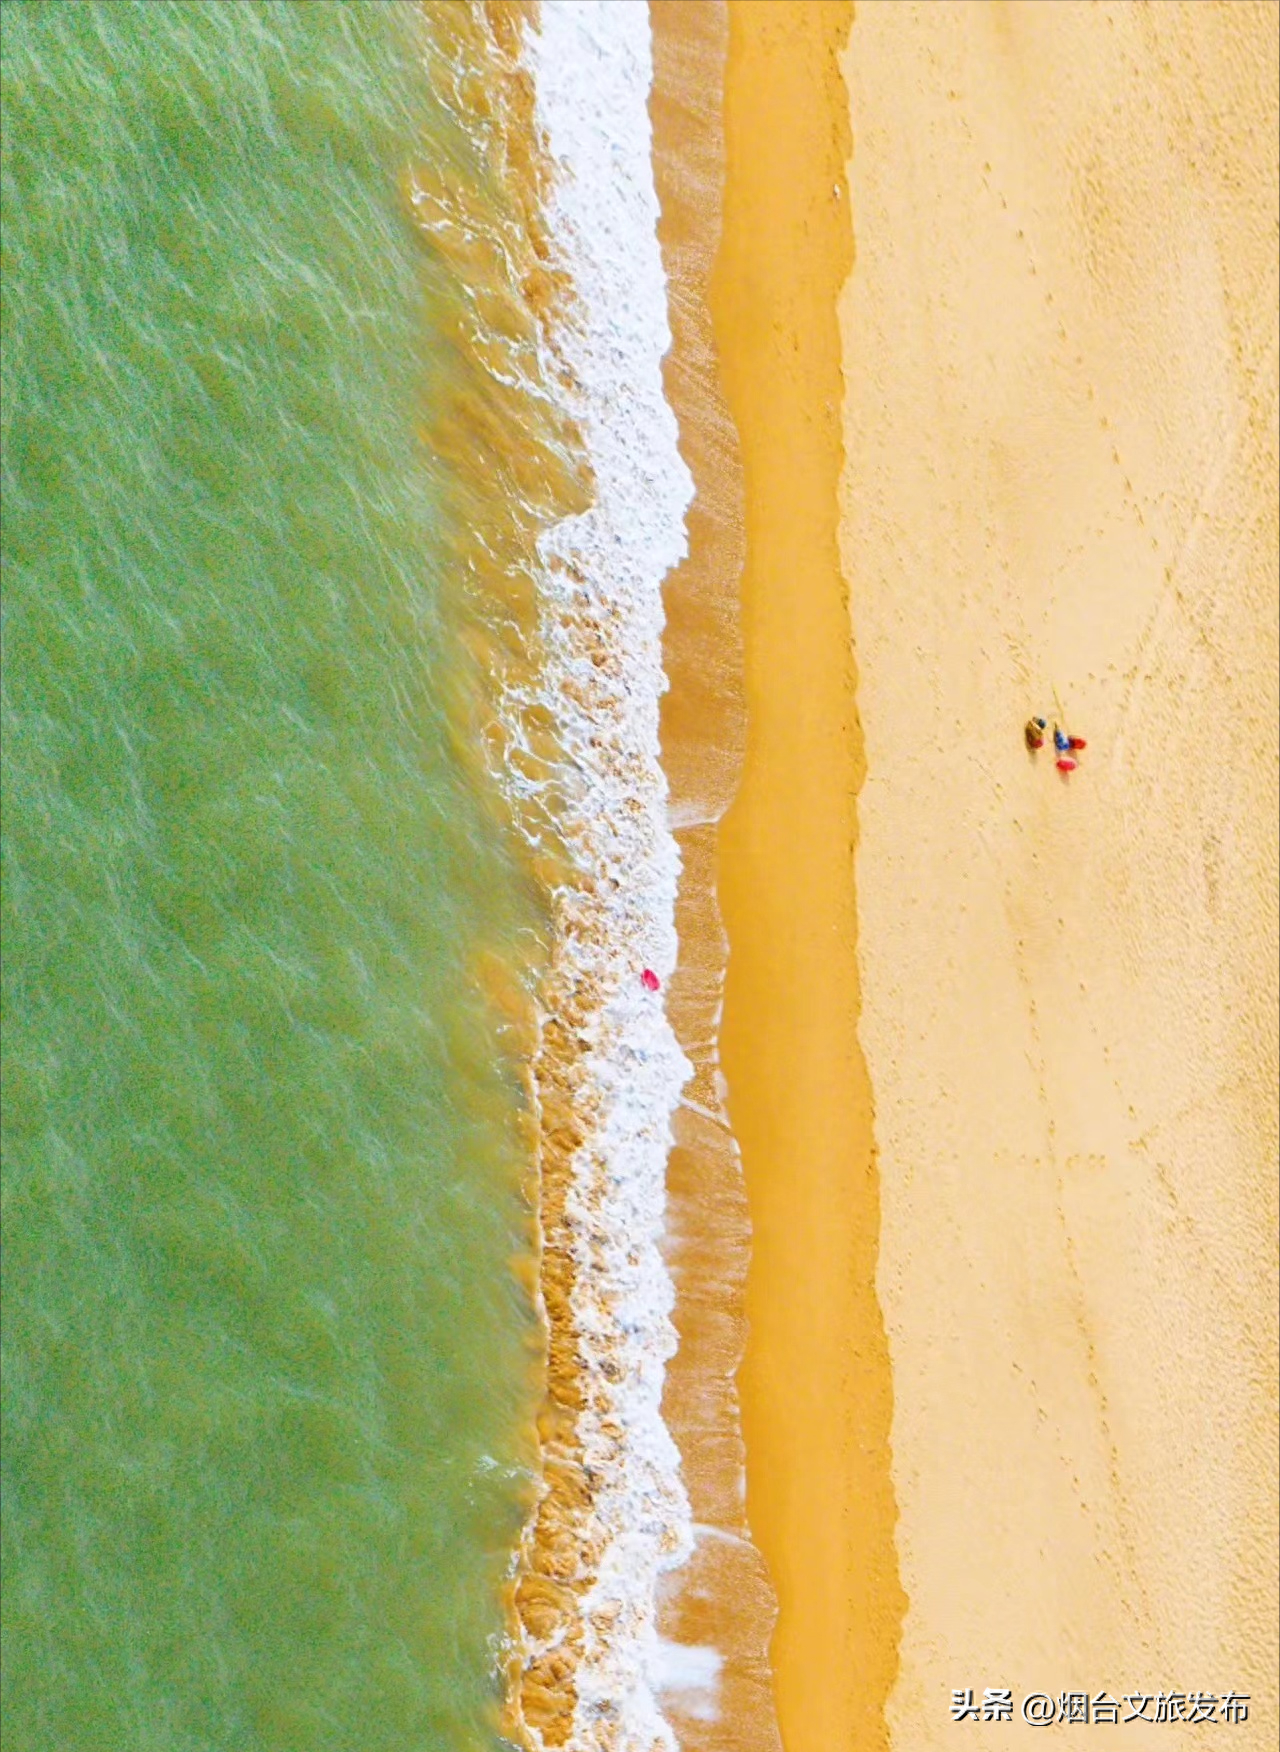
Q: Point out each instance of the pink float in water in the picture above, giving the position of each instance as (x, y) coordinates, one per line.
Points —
(649, 979)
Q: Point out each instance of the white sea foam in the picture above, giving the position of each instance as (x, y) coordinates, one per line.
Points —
(592, 68)
(692, 1675)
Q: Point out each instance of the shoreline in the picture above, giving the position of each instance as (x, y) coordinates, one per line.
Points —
(612, 1514)
(719, 1601)
(815, 1383)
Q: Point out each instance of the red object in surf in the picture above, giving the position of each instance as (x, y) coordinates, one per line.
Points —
(649, 979)
(1066, 764)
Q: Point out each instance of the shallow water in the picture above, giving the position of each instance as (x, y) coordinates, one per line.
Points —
(266, 1369)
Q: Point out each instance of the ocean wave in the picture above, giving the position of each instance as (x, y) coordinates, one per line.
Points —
(613, 1515)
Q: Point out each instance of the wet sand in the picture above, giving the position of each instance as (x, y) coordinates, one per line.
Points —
(815, 1382)
(721, 1600)
(1061, 365)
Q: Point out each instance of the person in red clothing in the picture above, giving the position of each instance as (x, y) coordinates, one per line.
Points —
(1067, 747)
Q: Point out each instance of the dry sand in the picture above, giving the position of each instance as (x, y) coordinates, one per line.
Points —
(1061, 373)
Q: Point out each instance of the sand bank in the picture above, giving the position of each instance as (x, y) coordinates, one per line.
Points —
(1061, 359)
(815, 1383)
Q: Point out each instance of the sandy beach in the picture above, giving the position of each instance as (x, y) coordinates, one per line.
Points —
(1000, 1042)
(974, 359)
(1061, 375)
(815, 1381)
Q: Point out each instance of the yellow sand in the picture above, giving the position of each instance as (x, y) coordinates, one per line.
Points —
(815, 1385)
(1061, 370)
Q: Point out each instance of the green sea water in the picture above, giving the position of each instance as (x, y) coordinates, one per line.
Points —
(265, 1365)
